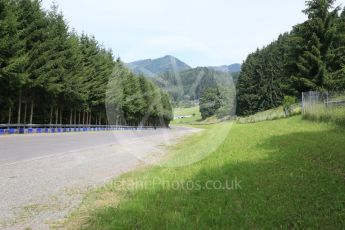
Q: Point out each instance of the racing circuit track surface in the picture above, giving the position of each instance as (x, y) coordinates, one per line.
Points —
(43, 177)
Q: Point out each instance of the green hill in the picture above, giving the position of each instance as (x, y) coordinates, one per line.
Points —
(188, 85)
(234, 68)
(153, 67)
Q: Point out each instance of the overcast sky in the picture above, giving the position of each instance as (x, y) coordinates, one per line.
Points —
(199, 32)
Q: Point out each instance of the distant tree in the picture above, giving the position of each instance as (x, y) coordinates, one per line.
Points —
(187, 85)
(210, 102)
(135, 100)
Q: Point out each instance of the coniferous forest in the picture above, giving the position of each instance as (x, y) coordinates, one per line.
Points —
(51, 75)
(309, 58)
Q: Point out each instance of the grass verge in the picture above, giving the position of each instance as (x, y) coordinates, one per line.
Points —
(269, 115)
(291, 175)
(321, 113)
(193, 112)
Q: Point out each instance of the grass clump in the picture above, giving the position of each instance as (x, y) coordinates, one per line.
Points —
(321, 113)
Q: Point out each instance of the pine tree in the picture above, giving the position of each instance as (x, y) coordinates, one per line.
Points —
(336, 59)
(209, 102)
(317, 37)
(60, 77)
(11, 58)
(33, 25)
(310, 57)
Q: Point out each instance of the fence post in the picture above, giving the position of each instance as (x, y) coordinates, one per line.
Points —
(303, 103)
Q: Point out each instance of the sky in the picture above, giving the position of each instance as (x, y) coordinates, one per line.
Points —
(199, 32)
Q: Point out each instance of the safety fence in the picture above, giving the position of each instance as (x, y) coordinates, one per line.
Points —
(6, 129)
(316, 102)
(324, 107)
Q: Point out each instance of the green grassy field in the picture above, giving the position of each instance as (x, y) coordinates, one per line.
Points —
(291, 175)
(193, 111)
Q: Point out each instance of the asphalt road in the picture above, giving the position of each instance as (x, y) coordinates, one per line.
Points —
(44, 177)
(25, 147)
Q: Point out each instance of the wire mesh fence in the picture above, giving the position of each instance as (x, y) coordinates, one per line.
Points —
(324, 106)
(314, 102)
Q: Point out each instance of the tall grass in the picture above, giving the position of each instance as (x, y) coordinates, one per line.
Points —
(321, 113)
(270, 115)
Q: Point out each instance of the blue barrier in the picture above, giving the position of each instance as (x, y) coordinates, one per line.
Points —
(11, 131)
(30, 129)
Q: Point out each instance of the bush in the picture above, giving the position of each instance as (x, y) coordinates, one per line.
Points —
(287, 104)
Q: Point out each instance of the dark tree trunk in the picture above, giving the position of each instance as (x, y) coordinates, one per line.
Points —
(19, 106)
(9, 115)
(90, 118)
(51, 115)
(56, 115)
(79, 118)
(32, 112)
(25, 109)
(71, 117)
(60, 116)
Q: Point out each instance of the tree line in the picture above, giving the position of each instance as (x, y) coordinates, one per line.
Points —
(217, 94)
(136, 101)
(214, 90)
(51, 75)
(311, 57)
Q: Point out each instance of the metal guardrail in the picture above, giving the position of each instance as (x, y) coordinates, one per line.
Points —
(58, 128)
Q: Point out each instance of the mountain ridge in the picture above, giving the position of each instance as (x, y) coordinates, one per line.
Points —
(169, 63)
(233, 68)
(154, 67)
